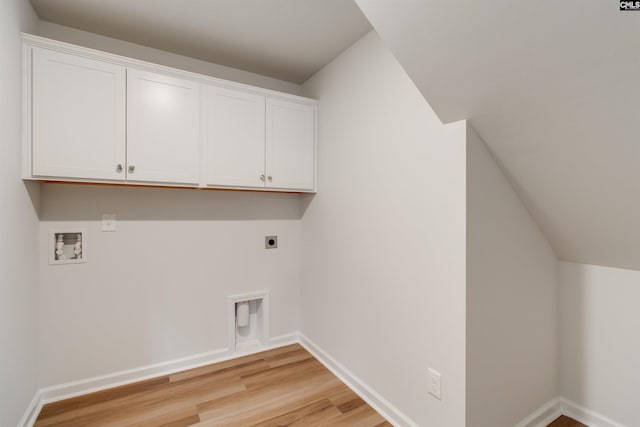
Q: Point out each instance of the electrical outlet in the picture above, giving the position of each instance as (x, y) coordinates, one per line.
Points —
(271, 242)
(434, 383)
(108, 222)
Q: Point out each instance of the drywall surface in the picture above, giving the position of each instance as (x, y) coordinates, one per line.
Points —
(383, 241)
(156, 289)
(144, 53)
(547, 85)
(511, 300)
(18, 228)
(599, 339)
(286, 39)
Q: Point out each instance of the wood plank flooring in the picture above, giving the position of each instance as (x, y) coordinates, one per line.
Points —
(563, 421)
(281, 387)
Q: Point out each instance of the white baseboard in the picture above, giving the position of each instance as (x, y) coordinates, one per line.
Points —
(539, 418)
(90, 385)
(369, 395)
(586, 416)
(544, 415)
(31, 414)
(116, 379)
(558, 406)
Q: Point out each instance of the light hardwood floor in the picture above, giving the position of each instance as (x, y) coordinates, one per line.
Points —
(281, 387)
(563, 421)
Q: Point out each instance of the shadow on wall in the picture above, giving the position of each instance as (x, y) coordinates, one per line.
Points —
(305, 202)
(67, 202)
(33, 191)
(573, 318)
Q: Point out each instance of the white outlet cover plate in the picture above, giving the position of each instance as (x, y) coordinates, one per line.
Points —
(108, 222)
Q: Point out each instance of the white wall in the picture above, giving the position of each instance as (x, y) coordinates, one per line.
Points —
(384, 239)
(156, 289)
(18, 228)
(144, 53)
(600, 339)
(511, 300)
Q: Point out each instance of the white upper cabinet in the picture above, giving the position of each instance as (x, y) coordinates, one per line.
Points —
(78, 117)
(91, 116)
(235, 138)
(290, 145)
(259, 142)
(163, 128)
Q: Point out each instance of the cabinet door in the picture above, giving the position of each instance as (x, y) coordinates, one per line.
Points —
(290, 145)
(78, 117)
(235, 138)
(163, 128)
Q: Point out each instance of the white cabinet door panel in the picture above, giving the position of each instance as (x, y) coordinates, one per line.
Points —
(163, 128)
(235, 138)
(78, 122)
(290, 145)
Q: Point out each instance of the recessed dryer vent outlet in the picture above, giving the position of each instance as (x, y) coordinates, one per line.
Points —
(68, 246)
(248, 321)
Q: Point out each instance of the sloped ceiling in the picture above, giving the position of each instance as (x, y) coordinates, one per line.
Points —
(553, 88)
(286, 39)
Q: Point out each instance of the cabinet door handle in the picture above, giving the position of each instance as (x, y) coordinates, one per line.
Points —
(119, 168)
(270, 178)
(132, 169)
(262, 177)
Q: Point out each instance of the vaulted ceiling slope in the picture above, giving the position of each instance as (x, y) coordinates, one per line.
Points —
(552, 87)
(286, 39)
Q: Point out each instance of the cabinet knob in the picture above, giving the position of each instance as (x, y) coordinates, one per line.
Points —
(270, 178)
(132, 169)
(262, 177)
(119, 168)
